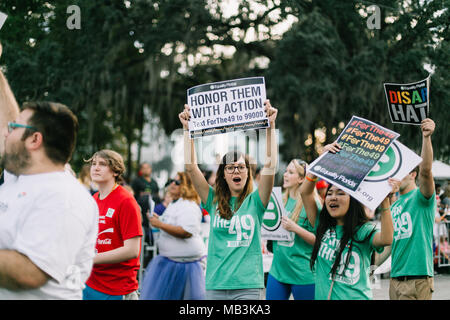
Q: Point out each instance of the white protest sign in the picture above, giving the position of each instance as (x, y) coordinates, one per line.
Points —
(397, 162)
(2, 19)
(227, 106)
(271, 228)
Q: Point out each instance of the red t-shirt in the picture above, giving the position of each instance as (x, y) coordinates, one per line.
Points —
(119, 220)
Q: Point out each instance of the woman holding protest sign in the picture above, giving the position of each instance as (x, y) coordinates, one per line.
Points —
(290, 272)
(234, 264)
(345, 240)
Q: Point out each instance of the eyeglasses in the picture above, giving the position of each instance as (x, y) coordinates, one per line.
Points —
(230, 168)
(13, 125)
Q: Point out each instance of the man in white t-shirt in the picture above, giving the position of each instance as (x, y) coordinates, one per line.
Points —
(48, 221)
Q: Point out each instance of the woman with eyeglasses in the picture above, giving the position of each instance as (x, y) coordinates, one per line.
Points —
(345, 240)
(234, 265)
(290, 272)
(177, 273)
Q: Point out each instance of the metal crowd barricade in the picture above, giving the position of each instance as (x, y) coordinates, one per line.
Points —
(443, 247)
(146, 247)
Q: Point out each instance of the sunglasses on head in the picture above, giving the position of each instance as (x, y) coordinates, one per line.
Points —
(177, 182)
(303, 164)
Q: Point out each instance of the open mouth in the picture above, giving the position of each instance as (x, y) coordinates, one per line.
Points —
(237, 179)
(333, 205)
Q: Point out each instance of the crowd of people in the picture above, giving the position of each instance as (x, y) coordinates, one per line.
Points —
(63, 238)
(441, 226)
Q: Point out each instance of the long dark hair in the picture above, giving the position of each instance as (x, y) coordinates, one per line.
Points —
(223, 193)
(353, 220)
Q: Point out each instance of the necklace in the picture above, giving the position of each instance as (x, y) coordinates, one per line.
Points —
(114, 188)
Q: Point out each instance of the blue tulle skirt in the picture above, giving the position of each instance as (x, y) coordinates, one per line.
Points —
(165, 279)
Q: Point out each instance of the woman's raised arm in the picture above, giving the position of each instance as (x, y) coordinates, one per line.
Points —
(268, 171)
(190, 160)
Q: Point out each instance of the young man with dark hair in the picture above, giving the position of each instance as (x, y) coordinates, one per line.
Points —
(114, 276)
(48, 221)
(413, 216)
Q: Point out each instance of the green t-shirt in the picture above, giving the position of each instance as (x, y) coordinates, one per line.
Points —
(291, 258)
(412, 248)
(234, 248)
(353, 283)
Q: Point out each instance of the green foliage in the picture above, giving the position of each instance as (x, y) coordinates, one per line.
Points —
(138, 57)
(330, 66)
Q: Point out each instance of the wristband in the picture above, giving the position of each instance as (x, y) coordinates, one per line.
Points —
(312, 180)
(384, 209)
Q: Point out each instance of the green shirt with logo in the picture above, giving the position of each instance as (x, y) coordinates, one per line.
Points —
(352, 282)
(291, 259)
(412, 248)
(234, 249)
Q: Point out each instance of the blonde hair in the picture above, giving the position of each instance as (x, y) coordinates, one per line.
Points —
(187, 190)
(300, 167)
(85, 176)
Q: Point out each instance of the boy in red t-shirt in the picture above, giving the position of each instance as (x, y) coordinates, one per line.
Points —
(114, 275)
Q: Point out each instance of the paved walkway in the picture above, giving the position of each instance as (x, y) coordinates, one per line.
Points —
(441, 288)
